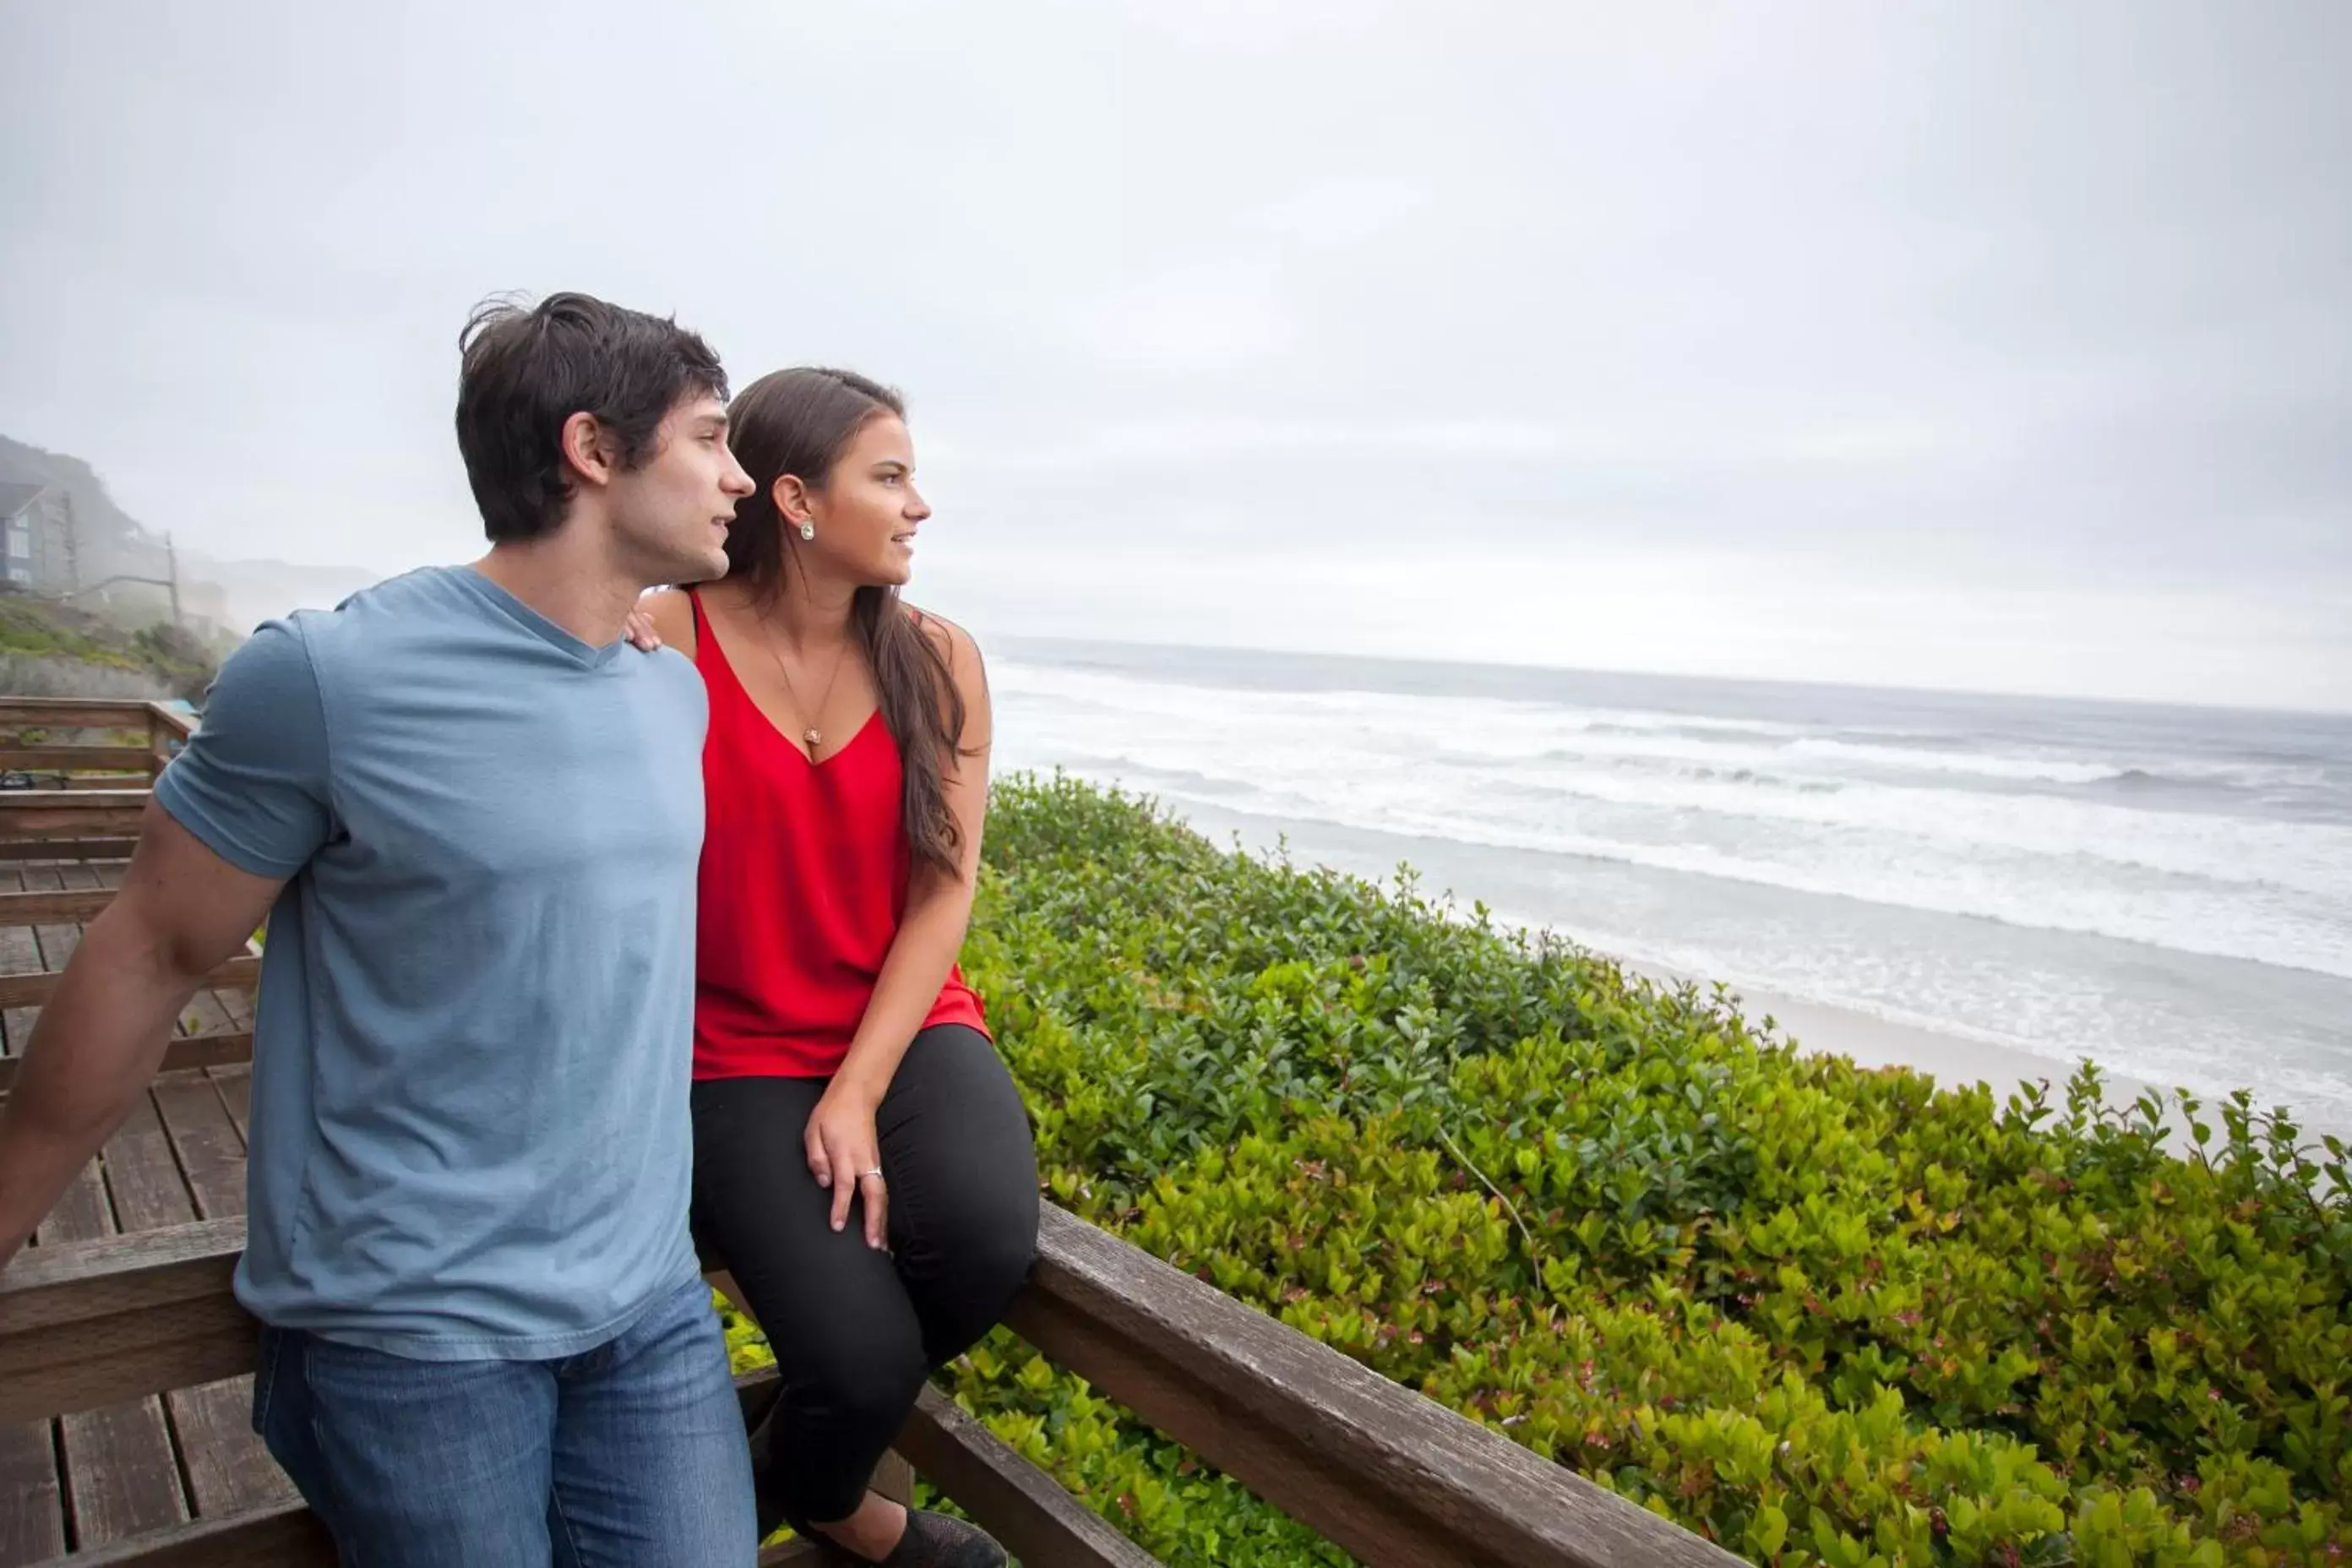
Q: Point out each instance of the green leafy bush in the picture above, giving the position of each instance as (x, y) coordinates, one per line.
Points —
(1815, 1313)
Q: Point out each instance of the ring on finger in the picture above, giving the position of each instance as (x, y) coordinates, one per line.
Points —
(876, 1175)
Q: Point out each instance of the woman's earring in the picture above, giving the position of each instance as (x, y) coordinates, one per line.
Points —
(808, 528)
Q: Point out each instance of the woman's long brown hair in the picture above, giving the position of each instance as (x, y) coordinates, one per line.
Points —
(801, 422)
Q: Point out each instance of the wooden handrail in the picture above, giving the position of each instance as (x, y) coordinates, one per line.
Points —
(168, 729)
(74, 712)
(1026, 1509)
(288, 1535)
(71, 759)
(219, 1048)
(67, 850)
(46, 813)
(52, 906)
(164, 728)
(32, 990)
(1393, 1478)
(87, 1324)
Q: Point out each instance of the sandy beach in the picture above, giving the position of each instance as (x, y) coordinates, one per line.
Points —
(1515, 888)
(1953, 1060)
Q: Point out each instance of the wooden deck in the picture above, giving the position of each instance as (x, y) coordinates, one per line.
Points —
(85, 1481)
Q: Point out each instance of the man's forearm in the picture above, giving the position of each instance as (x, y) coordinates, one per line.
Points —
(94, 1047)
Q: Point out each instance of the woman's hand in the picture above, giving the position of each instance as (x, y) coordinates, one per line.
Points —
(640, 629)
(845, 1156)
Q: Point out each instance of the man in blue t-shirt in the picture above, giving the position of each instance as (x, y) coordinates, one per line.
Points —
(471, 816)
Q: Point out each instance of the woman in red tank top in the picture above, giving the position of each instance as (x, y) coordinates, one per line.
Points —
(862, 1161)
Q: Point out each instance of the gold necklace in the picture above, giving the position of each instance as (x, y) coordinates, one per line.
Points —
(813, 735)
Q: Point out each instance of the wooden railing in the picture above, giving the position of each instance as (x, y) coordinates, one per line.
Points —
(50, 734)
(94, 749)
(91, 812)
(1391, 1476)
(1388, 1476)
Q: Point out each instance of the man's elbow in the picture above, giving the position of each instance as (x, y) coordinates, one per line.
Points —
(126, 948)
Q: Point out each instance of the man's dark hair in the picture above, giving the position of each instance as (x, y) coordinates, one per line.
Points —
(527, 371)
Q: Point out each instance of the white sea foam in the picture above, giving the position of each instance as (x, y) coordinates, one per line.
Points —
(1998, 832)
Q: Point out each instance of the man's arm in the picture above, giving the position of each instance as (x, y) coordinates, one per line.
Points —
(180, 911)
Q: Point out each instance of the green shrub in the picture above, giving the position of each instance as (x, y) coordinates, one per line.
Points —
(1818, 1313)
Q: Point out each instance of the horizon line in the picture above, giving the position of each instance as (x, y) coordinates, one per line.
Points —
(1802, 683)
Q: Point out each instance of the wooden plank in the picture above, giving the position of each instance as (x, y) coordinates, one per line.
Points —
(80, 1214)
(142, 1176)
(54, 814)
(75, 713)
(32, 1504)
(57, 943)
(1026, 1509)
(281, 1537)
(892, 1477)
(209, 1148)
(32, 1493)
(229, 1469)
(187, 1053)
(235, 1086)
(205, 1015)
(78, 850)
(88, 1323)
(72, 892)
(35, 990)
(118, 1475)
(1390, 1477)
(90, 759)
(168, 729)
(121, 1474)
(19, 952)
(169, 724)
(121, 1479)
(50, 907)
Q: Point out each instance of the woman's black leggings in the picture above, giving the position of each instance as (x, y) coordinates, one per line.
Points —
(857, 1331)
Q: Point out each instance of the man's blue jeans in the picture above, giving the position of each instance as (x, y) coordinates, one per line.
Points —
(628, 1456)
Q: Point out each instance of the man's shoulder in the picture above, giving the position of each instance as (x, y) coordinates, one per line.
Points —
(428, 625)
(381, 608)
(371, 615)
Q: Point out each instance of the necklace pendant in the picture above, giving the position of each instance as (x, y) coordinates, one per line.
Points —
(813, 738)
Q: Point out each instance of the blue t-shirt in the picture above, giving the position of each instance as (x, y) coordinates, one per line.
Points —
(473, 1038)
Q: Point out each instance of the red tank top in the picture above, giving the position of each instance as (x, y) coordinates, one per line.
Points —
(804, 882)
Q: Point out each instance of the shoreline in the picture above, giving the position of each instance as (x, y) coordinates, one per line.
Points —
(1949, 1058)
(1953, 1061)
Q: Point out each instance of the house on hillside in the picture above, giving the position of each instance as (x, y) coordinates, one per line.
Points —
(36, 539)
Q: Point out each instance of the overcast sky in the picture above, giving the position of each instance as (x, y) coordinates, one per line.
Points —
(1963, 344)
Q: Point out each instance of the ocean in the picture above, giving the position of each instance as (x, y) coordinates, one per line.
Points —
(2167, 892)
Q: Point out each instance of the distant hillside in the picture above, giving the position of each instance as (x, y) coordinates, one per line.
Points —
(54, 650)
(217, 595)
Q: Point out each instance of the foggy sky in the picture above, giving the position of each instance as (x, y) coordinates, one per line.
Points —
(2003, 346)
